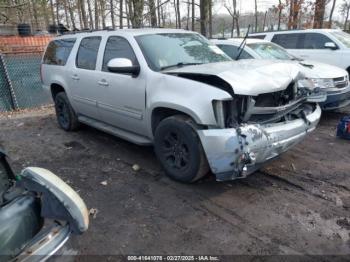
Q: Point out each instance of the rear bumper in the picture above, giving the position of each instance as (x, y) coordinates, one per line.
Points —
(336, 99)
(236, 153)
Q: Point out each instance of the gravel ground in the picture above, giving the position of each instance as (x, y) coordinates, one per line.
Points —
(297, 204)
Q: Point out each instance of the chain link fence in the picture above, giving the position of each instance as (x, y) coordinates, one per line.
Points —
(20, 84)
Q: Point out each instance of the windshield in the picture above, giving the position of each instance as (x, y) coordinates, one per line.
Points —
(342, 37)
(271, 51)
(178, 49)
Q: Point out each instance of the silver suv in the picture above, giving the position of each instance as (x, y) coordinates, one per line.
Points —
(174, 89)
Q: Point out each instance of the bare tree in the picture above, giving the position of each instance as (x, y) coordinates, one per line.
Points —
(83, 13)
(53, 20)
(121, 14)
(204, 14)
(91, 20)
(320, 6)
(331, 14)
(153, 14)
(96, 14)
(235, 16)
(111, 5)
(256, 15)
(102, 13)
(280, 9)
(193, 14)
(71, 14)
(345, 10)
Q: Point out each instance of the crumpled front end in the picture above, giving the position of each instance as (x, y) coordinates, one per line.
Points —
(237, 152)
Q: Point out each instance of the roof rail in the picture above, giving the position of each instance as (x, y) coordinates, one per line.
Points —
(276, 31)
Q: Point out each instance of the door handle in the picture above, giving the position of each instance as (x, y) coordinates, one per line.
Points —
(103, 82)
(75, 77)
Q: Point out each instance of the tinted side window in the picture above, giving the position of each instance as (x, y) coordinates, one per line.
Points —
(313, 41)
(257, 36)
(58, 51)
(87, 53)
(232, 51)
(288, 41)
(118, 47)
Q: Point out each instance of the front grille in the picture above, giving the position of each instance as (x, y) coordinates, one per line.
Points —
(341, 82)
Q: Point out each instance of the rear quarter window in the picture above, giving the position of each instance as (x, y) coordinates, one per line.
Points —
(58, 51)
(288, 41)
(257, 36)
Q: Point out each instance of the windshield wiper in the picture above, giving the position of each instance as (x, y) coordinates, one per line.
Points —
(242, 45)
(181, 64)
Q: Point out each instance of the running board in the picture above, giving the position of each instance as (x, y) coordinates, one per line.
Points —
(131, 137)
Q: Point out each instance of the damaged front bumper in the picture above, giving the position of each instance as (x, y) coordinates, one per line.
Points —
(235, 153)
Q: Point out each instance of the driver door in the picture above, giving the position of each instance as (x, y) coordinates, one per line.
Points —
(122, 100)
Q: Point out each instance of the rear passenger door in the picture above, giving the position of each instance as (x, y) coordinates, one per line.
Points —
(122, 101)
(82, 77)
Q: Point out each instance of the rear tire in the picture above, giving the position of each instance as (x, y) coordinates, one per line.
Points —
(179, 149)
(66, 117)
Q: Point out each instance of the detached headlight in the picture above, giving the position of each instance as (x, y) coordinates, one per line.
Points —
(323, 82)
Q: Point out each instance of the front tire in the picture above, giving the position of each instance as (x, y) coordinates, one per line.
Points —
(179, 149)
(66, 117)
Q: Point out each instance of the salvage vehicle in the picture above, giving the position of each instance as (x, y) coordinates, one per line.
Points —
(333, 80)
(38, 213)
(175, 90)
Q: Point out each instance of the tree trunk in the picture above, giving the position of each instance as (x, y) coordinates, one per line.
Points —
(320, 6)
(178, 13)
(35, 15)
(188, 16)
(91, 20)
(256, 16)
(83, 13)
(263, 28)
(96, 14)
(193, 15)
(71, 14)
(290, 18)
(137, 17)
(158, 12)
(296, 9)
(204, 13)
(66, 13)
(44, 11)
(280, 8)
(210, 19)
(102, 13)
(52, 13)
(236, 15)
(57, 11)
(152, 9)
(331, 14)
(121, 14)
(111, 5)
(233, 26)
(127, 5)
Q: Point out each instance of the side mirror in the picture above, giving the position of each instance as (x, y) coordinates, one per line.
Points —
(123, 66)
(331, 45)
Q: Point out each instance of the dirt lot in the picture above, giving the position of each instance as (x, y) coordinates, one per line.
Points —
(298, 204)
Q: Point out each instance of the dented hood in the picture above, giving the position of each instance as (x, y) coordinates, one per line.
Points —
(313, 69)
(248, 77)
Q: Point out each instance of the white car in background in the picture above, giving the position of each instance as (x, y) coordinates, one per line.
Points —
(330, 46)
(332, 79)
